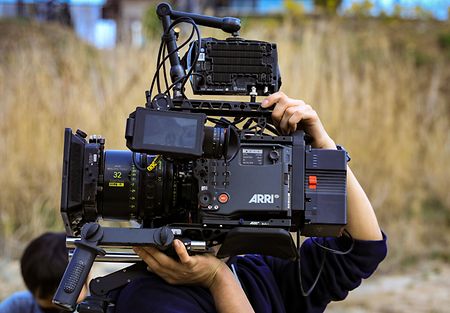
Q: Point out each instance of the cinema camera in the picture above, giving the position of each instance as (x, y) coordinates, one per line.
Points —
(206, 172)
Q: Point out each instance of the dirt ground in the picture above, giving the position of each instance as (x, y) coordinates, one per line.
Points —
(424, 288)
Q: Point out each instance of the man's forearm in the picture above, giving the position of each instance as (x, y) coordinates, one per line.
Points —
(362, 222)
(228, 294)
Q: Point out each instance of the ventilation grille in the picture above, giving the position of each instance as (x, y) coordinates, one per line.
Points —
(327, 181)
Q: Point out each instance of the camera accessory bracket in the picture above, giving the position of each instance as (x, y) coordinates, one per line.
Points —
(92, 235)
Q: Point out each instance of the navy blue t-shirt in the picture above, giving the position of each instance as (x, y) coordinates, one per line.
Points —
(20, 302)
(271, 284)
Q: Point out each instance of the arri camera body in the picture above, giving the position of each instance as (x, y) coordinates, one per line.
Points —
(208, 172)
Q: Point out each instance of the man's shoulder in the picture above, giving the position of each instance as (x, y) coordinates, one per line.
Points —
(21, 301)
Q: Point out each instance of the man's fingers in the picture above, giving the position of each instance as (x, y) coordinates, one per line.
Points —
(272, 99)
(293, 121)
(148, 258)
(164, 260)
(165, 263)
(180, 249)
(282, 104)
(293, 112)
(279, 110)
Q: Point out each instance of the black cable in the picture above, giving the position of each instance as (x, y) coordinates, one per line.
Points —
(165, 59)
(307, 293)
(176, 22)
(218, 121)
(160, 62)
(199, 42)
(338, 252)
(161, 47)
(199, 39)
(135, 164)
(238, 120)
(272, 129)
(166, 81)
(248, 123)
(325, 250)
(299, 268)
(158, 84)
(181, 46)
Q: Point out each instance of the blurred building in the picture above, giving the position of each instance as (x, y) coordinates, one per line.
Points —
(43, 10)
(104, 23)
(128, 15)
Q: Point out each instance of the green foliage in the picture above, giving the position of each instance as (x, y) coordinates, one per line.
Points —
(327, 6)
(360, 9)
(294, 9)
(421, 58)
(435, 212)
(151, 23)
(444, 42)
(422, 13)
(398, 11)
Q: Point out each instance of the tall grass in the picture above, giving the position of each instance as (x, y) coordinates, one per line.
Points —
(392, 116)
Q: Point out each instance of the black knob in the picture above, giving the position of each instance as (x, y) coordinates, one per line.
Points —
(81, 133)
(204, 198)
(163, 236)
(274, 155)
(163, 9)
(166, 236)
(161, 102)
(92, 232)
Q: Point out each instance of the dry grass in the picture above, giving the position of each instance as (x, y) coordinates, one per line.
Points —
(392, 115)
(48, 81)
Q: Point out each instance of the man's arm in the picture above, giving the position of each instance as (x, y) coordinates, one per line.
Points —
(340, 273)
(288, 114)
(204, 270)
(228, 294)
(362, 222)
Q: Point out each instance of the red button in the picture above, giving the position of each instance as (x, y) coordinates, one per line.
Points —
(312, 182)
(223, 198)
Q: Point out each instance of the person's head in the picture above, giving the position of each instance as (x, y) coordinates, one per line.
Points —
(43, 264)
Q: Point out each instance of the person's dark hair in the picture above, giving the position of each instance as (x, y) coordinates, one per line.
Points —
(43, 264)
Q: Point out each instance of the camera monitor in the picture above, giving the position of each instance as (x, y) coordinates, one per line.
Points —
(168, 132)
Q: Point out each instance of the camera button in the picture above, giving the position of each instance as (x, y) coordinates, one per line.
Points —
(312, 182)
(223, 198)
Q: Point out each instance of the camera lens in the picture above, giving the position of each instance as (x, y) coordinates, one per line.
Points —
(214, 142)
(121, 186)
(139, 194)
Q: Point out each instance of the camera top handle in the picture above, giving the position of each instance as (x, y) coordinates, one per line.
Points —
(166, 14)
(228, 24)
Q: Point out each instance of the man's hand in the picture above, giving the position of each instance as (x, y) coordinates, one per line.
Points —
(289, 113)
(203, 270)
(189, 270)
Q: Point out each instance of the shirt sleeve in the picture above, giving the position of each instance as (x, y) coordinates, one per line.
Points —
(19, 302)
(340, 273)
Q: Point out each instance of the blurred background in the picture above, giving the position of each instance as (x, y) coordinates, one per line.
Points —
(377, 72)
